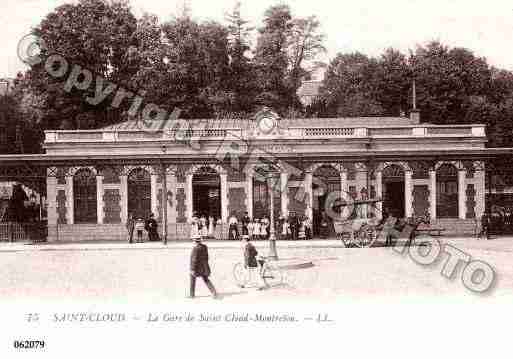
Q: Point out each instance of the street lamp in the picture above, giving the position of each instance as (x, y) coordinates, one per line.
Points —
(272, 235)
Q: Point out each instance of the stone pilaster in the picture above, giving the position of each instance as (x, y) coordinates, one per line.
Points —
(408, 194)
(123, 194)
(249, 193)
(154, 191)
(171, 187)
(99, 199)
(51, 197)
(309, 194)
(480, 185)
(284, 180)
(432, 193)
(462, 205)
(188, 196)
(224, 196)
(70, 201)
(344, 190)
(379, 194)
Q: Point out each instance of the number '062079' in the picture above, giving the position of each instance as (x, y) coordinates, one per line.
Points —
(29, 344)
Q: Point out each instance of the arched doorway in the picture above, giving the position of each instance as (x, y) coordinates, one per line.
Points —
(84, 195)
(139, 193)
(261, 199)
(206, 192)
(326, 181)
(447, 191)
(393, 191)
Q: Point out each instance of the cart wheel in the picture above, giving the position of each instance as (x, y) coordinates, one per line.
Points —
(240, 274)
(272, 275)
(363, 239)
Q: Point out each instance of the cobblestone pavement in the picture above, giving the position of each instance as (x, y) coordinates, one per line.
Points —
(158, 275)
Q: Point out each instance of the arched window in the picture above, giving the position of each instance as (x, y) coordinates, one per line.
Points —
(84, 194)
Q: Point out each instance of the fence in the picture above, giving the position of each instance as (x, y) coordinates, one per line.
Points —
(21, 232)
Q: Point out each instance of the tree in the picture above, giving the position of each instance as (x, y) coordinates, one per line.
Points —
(305, 45)
(95, 34)
(16, 209)
(286, 53)
(190, 69)
(348, 88)
(391, 84)
(445, 79)
(20, 130)
(272, 59)
(242, 79)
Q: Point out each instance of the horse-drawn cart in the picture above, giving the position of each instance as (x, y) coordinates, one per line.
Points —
(357, 232)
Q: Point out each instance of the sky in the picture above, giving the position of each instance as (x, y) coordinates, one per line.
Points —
(368, 26)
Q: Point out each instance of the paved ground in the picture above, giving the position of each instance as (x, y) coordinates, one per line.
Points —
(152, 273)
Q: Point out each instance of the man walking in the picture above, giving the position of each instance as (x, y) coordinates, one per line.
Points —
(199, 268)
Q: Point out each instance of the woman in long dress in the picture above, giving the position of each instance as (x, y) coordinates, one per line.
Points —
(195, 233)
(256, 229)
(263, 229)
(211, 225)
(204, 227)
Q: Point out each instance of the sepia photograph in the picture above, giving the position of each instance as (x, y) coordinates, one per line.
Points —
(307, 178)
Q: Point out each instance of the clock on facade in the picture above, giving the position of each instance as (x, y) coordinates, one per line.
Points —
(267, 124)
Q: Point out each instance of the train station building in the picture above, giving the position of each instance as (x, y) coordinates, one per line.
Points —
(222, 167)
(219, 168)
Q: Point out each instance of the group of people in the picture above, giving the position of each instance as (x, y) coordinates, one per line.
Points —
(202, 227)
(291, 227)
(137, 226)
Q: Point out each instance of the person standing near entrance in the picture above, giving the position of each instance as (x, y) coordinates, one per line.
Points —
(151, 227)
(245, 223)
(211, 226)
(294, 226)
(233, 231)
(203, 227)
(199, 267)
(139, 228)
(130, 224)
(195, 231)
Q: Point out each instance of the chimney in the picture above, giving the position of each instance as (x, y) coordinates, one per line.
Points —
(414, 113)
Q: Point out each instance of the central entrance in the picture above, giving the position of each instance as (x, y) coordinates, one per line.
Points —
(139, 193)
(262, 185)
(206, 193)
(393, 191)
(326, 181)
(84, 193)
(447, 191)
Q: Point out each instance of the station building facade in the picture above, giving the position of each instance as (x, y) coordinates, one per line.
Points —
(225, 167)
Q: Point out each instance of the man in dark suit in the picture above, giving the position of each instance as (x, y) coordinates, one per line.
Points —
(199, 268)
(294, 225)
(245, 222)
(151, 227)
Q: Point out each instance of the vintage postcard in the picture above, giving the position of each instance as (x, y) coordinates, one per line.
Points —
(308, 178)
